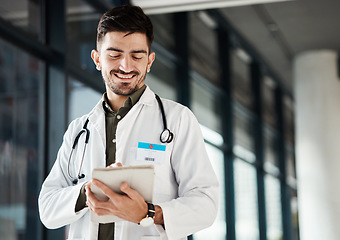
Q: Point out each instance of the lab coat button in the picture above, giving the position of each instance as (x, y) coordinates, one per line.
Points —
(114, 140)
(119, 117)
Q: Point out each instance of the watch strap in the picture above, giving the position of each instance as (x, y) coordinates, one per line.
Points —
(151, 210)
(148, 220)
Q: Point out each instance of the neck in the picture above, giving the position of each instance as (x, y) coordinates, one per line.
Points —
(115, 101)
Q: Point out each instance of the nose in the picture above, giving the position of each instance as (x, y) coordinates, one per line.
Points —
(125, 64)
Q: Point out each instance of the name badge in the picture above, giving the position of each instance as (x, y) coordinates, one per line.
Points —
(149, 152)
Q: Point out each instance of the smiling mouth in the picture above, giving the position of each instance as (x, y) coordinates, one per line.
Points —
(123, 75)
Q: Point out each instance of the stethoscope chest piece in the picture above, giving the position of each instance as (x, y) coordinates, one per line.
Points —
(166, 136)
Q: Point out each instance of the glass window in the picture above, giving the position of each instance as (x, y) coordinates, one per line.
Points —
(20, 75)
(273, 207)
(206, 108)
(294, 214)
(203, 50)
(246, 204)
(288, 115)
(161, 79)
(268, 101)
(218, 230)
(290, 168)
(243, 136)
(271, 161)
(81, 99)
(81, 32)
(23, 14)
(164, 35)
(241, 84)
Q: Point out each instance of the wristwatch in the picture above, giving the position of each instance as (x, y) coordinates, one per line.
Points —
(149, 218)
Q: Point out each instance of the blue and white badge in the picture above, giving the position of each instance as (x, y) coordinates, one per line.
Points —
(149, 152)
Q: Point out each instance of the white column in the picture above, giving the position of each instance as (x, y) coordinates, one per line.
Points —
(317, 111)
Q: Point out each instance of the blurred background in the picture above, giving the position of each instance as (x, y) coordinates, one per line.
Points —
(261, 76)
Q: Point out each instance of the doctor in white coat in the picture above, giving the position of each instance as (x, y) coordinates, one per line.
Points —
(185, 189)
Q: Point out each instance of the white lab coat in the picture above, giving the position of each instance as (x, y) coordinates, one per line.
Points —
(186, 187)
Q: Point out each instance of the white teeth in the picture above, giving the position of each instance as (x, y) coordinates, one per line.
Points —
(124, 76)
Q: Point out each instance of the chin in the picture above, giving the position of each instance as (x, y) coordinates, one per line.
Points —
(124, 91)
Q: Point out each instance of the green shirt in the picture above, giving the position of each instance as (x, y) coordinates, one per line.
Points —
(112, 118)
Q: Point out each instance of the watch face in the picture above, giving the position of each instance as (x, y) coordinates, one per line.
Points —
(146, 222)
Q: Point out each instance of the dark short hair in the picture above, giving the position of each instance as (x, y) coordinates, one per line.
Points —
(130, 19)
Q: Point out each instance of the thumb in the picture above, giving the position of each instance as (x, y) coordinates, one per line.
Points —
(133, 194)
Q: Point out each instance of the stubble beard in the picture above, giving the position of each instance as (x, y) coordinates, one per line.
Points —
(122, 88)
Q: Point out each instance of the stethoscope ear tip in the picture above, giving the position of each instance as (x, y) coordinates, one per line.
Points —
(80, 176)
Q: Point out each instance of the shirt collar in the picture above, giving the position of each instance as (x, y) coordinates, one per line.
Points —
(129, 102)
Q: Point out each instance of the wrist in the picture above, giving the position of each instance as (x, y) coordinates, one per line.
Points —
(148, 220)
(158, 215)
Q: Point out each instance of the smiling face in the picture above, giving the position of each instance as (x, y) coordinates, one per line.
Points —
(124, 60)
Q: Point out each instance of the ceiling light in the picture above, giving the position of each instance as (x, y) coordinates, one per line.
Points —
(207, 20)
(157, 6)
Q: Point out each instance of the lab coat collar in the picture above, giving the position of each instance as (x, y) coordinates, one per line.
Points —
(97, 118)
(148, 97)
(97, 114)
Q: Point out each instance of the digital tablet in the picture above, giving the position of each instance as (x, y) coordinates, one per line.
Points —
(140, 178)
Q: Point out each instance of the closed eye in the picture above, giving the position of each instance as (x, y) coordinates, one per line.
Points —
(114, 56)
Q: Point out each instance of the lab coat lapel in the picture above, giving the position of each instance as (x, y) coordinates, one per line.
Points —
(97, 118)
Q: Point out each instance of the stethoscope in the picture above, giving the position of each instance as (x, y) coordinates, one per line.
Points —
(165, 137)
(87, 136)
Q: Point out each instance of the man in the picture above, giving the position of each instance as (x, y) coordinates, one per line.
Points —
(185, 189)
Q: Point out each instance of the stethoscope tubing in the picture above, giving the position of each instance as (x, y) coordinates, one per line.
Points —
(166, 136)
(87, 137)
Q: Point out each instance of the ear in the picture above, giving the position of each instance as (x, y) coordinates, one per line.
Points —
(96, 59)
(151, 58)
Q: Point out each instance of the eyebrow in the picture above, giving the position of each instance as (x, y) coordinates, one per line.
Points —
(119, 50)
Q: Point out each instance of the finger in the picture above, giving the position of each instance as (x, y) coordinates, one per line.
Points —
(87, 186)
(133, 194)
(96, 205)
(113, 165)
(119, 164)
(101, 212)
(101, 208)
(105, 189)
(90, 197)
(88, 191)
(88, 183)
